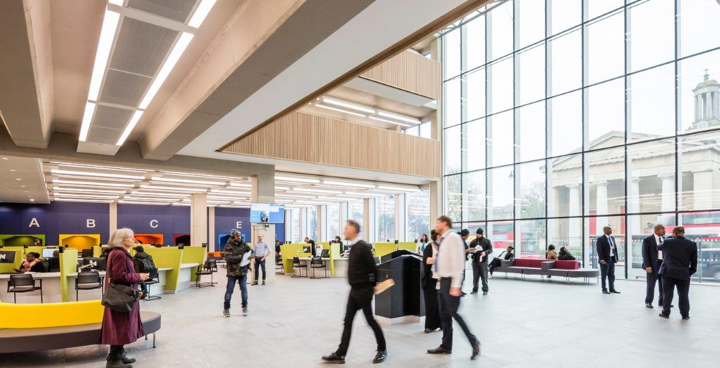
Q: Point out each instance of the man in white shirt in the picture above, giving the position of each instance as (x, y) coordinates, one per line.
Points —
(262, 251)
(652, 261)
(449, 267)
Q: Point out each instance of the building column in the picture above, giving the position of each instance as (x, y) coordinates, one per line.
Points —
(321, 222)
(601, 206)
(703, 190)
(113, 218)
(263, 189)
(368, 231)
(198, 219)
(211, 229)
(633, 226)
(575, 230)
(400, 217)
(436, 201)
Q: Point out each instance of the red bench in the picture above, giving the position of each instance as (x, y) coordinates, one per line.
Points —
(544, 267)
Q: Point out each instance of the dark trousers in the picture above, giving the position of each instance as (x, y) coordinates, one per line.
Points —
(494, 263)
(116, 352)
(683, 288)
(651, 279)
(432, 310)
(607, 272)
(448, 311)
(143, 287)
(242, 280)
(258, 265)
(360, 299)
(480, 271)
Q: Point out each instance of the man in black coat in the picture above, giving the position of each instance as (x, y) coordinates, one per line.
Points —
(362, 276)
(608, 257)
(679, 264)
(480, 248)
(652, 261)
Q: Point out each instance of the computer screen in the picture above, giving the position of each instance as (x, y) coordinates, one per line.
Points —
(48, 252)
(306, 249)
(267, 213)
(95, 263)
(7, 257)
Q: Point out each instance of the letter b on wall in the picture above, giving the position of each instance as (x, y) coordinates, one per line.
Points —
(90, 223)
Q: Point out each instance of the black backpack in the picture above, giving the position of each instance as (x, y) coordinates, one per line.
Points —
(144, 264)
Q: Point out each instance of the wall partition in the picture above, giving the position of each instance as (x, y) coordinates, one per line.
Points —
(564, 116)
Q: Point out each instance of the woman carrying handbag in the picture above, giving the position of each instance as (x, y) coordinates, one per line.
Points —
(121, 327)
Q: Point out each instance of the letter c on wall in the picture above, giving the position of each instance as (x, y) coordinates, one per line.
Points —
(154, 224)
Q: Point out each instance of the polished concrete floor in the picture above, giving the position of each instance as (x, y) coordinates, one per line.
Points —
(533, 323)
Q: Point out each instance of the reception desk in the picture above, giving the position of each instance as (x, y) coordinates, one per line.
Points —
(185, 276)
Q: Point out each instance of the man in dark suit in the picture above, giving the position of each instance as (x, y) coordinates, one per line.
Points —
(608, 257)
(652, 261)
(679, 264)
(480, 248)
(362, 273)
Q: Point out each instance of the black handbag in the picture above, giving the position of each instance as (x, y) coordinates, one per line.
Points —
(120, 298)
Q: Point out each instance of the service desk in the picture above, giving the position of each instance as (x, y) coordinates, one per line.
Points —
(341, 267)
(51, 292)
(325, 270)
(185, 275)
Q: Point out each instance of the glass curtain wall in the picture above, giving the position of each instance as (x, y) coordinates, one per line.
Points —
(312, 223)
(333, 221)
(355, 212)
(564, 116)
(418, 214)
(385, 218)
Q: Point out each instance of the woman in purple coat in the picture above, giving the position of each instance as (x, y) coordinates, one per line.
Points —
(120, 328)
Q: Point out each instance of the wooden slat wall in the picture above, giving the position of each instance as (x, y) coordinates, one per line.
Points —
(316, 139)
(409, 71)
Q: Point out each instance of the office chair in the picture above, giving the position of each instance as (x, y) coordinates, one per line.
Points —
(279, 263)
(317, 263)
(88, 281)
(23, 283)
(209, 268)
(154, 278)
(87, 253)
(297, 264)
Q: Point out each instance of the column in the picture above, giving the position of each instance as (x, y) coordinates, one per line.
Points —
(113, 218)
(400, 217)
(436, 201)
(601, 206)
(321, 222)
(343, 216)
(633, 227)
(575, 230)
(263, 189)
(303, 223)
(211, 229)
(198, 219)
(368, 230)
(703, 190)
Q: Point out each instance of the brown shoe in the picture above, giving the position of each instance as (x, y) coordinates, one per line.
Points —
(254, 283)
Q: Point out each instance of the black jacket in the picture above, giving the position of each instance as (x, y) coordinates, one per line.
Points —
(679, 258)
(603, 249)
(427, 280)
(234, 253)
(650, 252)
(487, 247)
(567, 256)
(362, 270)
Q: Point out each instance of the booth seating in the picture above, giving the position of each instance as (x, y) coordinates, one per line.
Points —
(543, 267)
(209, 268)
(88, 281)
(23, 283)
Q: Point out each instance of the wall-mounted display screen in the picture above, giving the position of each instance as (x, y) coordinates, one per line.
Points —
(267, 213)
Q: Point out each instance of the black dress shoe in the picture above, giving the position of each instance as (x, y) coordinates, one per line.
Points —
(663, 315)
(380, 356)
(125, 359)
(427, 330)
(474, 292)
(475, 352)
(334, 358)
(686, 318)
(606, 292)
(439, 350)
(649, 305)
(614, 291)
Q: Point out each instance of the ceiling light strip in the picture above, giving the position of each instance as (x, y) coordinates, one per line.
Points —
(87, 173)
(201, 12)
(349, 105)
(340, 110)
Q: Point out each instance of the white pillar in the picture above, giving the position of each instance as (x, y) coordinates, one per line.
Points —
(601, 206)
(575, 230)
(211, 229)
(303, 223)
(633, 227)
(368, 231)
(400, 217)
(198, 219)
(436, 201)
(113, 218)
(703, 190)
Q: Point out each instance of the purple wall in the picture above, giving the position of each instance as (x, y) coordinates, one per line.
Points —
(55, 218)
(145, 219)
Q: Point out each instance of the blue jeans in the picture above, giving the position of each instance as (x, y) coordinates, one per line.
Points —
(258, 265)
(231, 285)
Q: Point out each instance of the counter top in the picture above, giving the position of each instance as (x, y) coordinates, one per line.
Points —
(189, 265)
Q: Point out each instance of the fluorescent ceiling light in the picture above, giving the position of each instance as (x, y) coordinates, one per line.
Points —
(402, 189)
(228, 191)
(340, 110)
(342, 183)
(70, 195)
(182, 204)
(282, 188)
(149, 199)
(101, 167)
(389, 121)
(349, 105)
(81, 200)
(87, 119)
(158, 187)
(309, 190)
(87, 173)
(120, 185)
(173, 180)
(182, 195)
(129, 128)
(334, 198)
(243, 185)
(299, 180)
(294, 196)
(170, 62)
(145, 203)
(82, 190)
(201, 12)
(399, 117)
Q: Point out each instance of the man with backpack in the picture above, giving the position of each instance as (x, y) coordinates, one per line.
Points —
(143, 263)
(237, 258)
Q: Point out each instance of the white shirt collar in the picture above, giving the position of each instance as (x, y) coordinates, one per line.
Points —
(357, 239)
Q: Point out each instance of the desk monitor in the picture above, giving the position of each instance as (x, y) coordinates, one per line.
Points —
(7, 257)
(48, 252)
(95, 263)
(325, 253)
(306, 249)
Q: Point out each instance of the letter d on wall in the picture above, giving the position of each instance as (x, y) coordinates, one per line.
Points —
(154, 224)
(90, 223)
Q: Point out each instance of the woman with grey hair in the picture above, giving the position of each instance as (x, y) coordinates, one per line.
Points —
(118, 328)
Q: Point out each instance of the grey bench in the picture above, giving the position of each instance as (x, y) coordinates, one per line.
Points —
(547, 268)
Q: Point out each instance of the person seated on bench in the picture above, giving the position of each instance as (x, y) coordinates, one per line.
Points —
(565, 255)
(507, 255)
(551, 254)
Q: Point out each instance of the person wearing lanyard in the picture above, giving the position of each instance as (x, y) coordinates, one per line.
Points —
(449, 266)
(262, 250)
(652, 261)
(608, 257)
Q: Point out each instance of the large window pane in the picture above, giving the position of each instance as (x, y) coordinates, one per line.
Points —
(333, 221)
(295, 213)
(425, 130)
(566, 233)
(530, 22)
(651, 103)
(564, 14)
(531, 182)
(474, 95)
(617, 223)
(452, 150)
(565, 186)
(607, 181)
(501, 30)
(500, 193)
(500, 85)
(699, 94)
(531, 131)
(418, 214)
(532, 238)
(355, 212)
(606, 114)
(474, 196)
(530, 77)
(500, 139)
(639, 228)
(597, 8)
(698, 26)
(474, 152)
(701, 227)
(652, 167)
(502, 234)
(565, 123)
(700, 171)
(452, 104)
(453, 197)
(565, 63)
(312, 223)
(606, 48)
(474, 46)
(385, 218)
(451, 63)
(651, 33)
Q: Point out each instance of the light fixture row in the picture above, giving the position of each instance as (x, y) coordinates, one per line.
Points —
(351, 108)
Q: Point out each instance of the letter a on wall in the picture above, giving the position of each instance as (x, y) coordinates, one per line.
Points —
(34, 222)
